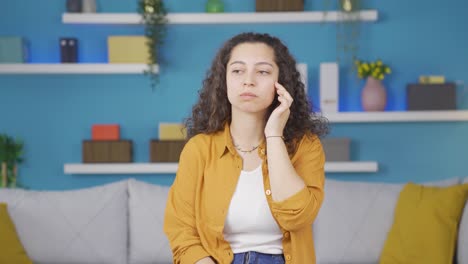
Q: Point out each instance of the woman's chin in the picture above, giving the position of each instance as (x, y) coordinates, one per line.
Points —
(254, 109)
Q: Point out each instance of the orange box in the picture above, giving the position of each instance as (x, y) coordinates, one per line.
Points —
(105, 132)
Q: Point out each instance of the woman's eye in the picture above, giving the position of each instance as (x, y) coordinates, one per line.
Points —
(264, 72)
(236, 71)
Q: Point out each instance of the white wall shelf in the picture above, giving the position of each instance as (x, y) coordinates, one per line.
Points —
(73, 68)
(157, 168)
(398, 116)
(351, 166)
(120, 168)
(224, 18)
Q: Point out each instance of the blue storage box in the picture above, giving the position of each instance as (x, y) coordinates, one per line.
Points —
(13, 50)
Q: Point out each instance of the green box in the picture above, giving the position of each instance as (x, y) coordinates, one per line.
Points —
(13, 50)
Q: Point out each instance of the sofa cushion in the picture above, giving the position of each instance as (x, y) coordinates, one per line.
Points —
(148, 243)
(462, 250)
(78, 226)
(12, 251)
(355, 218)
(425, 226)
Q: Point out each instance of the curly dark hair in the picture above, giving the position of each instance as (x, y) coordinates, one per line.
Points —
(213, 108)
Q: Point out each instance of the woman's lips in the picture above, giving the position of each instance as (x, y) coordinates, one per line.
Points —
(248, 95)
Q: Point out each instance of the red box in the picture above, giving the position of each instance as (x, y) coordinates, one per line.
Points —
(105, 132)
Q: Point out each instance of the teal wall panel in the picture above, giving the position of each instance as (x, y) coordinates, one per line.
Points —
(54, 113)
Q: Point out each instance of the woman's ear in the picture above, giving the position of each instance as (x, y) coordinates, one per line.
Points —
(275, 102)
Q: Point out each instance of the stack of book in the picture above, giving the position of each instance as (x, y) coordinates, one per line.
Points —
(172, 138)
(68, 50)
(431, 93)
(106, 146)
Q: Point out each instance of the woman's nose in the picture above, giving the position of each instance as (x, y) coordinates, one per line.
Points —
(249, 79)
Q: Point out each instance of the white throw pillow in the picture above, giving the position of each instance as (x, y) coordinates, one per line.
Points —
(148, 243)
(354, 220)
(77, 226)
(462, 250)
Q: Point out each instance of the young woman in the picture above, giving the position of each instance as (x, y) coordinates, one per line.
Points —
(250, 178)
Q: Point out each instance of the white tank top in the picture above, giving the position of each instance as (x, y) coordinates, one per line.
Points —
(249, 224)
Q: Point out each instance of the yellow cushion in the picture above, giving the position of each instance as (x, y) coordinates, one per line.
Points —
(425, 226)
(11, 249)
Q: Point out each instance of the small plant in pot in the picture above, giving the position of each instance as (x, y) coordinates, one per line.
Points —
(11, 152)
(374, 94)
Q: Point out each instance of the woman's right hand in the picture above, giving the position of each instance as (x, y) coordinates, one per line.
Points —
(206, 260)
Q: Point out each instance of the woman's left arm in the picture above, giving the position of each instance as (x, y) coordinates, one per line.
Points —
(296, 186)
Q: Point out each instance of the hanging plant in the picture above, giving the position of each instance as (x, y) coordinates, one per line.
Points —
(154, 18)
(347, 28)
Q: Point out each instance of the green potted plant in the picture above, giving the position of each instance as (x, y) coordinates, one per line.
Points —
(11, 152)
(3, 158)
(153, 14)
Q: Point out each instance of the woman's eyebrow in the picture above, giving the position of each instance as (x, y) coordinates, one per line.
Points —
(234, 62)
(258, 63)
(264, 63)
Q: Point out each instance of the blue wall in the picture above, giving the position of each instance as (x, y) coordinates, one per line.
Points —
(54, 113)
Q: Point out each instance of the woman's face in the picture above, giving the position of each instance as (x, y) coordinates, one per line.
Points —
(251, 74)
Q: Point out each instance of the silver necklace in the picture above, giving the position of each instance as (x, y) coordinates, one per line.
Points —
(246, 151)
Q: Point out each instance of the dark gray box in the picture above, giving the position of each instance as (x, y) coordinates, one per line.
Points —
(336, 149)
(431, 96)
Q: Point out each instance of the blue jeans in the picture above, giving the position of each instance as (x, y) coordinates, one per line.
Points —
(252, 257)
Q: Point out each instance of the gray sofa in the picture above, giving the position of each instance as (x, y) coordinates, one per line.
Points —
(355, 218)
(121, 223)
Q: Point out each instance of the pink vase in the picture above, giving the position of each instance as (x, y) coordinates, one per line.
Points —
(373, 95)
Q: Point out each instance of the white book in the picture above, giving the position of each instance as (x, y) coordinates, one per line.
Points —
(329, 84)
(302, 69)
